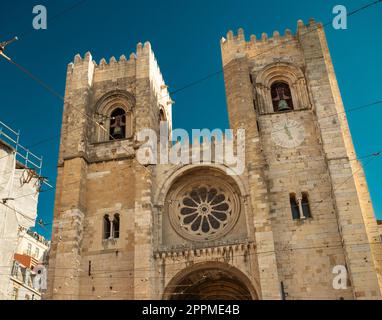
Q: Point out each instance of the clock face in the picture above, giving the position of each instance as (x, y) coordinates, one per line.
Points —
(288, 133)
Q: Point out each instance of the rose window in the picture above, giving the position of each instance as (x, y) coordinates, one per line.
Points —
(204, 212)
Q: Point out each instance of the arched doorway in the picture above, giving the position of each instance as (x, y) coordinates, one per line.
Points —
(210, 281)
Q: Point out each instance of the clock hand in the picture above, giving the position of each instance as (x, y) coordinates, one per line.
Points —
(288, 132)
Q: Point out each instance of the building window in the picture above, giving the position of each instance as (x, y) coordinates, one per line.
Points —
(305, 205)
(36, 253)
(111, 227)
(113, 114)
(27, 278)
(162, 115)
(15, 269)
(106, 227)
(164, 127)
(15, 294)
(300, 207)
(294, 206)
(204, 211)
(116, 226)
(281, 97)
(29, 250)
(118, 124)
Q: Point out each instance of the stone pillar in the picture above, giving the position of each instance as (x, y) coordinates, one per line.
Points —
(240, 100)
(143, 220)
(68, 233)
(70, 202)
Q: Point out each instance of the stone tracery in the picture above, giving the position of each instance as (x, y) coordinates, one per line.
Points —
(205, 209)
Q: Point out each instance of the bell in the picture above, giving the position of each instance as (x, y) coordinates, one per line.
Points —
(283, 105)
(117, 133)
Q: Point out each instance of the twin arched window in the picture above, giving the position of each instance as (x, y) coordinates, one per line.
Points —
(300, 207)
(111, 227)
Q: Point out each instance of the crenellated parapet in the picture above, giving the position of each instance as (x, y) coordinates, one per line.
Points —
(237, 45)
(84, 71)
(134, 84)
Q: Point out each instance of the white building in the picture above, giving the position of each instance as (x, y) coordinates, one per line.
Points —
(31, 251)
(20, 182)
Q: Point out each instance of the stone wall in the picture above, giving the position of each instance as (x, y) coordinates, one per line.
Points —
(340, 231)
(266, 247)
(102, 177)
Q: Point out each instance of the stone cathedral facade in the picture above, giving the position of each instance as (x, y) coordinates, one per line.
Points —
(123, 230)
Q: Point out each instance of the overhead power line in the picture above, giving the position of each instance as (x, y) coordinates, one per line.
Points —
(55, 93)
(52, 18)
(319, 203)
(191, 84)
(215, 73)
(36, 79)
(348, 111)
(289, 248)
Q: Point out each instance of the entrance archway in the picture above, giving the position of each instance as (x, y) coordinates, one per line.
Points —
(210, 281)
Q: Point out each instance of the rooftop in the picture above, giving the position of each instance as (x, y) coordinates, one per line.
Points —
(35, 235)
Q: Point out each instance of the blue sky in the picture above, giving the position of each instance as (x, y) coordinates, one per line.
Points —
(185, 37)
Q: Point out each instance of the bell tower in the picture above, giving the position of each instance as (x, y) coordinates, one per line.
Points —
(298, 213)
(103, 205)
(312, 209)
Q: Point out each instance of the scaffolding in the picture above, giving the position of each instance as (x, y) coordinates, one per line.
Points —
(24, 157)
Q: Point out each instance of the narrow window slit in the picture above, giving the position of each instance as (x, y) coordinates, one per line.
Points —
(106, 227)
(294, 206)
(305, 205)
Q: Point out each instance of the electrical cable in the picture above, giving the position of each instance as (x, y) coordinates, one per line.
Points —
(38, 80)
(191, 84)
(54, 17)
(212, 74)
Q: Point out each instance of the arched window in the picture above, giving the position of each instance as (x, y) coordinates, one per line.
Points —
(162, 115)
(294, 206)
(111, 227)
(164, 126)
(116, 226)
(106, 227)
(118, 124)
(305, 205)
(281, 97)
